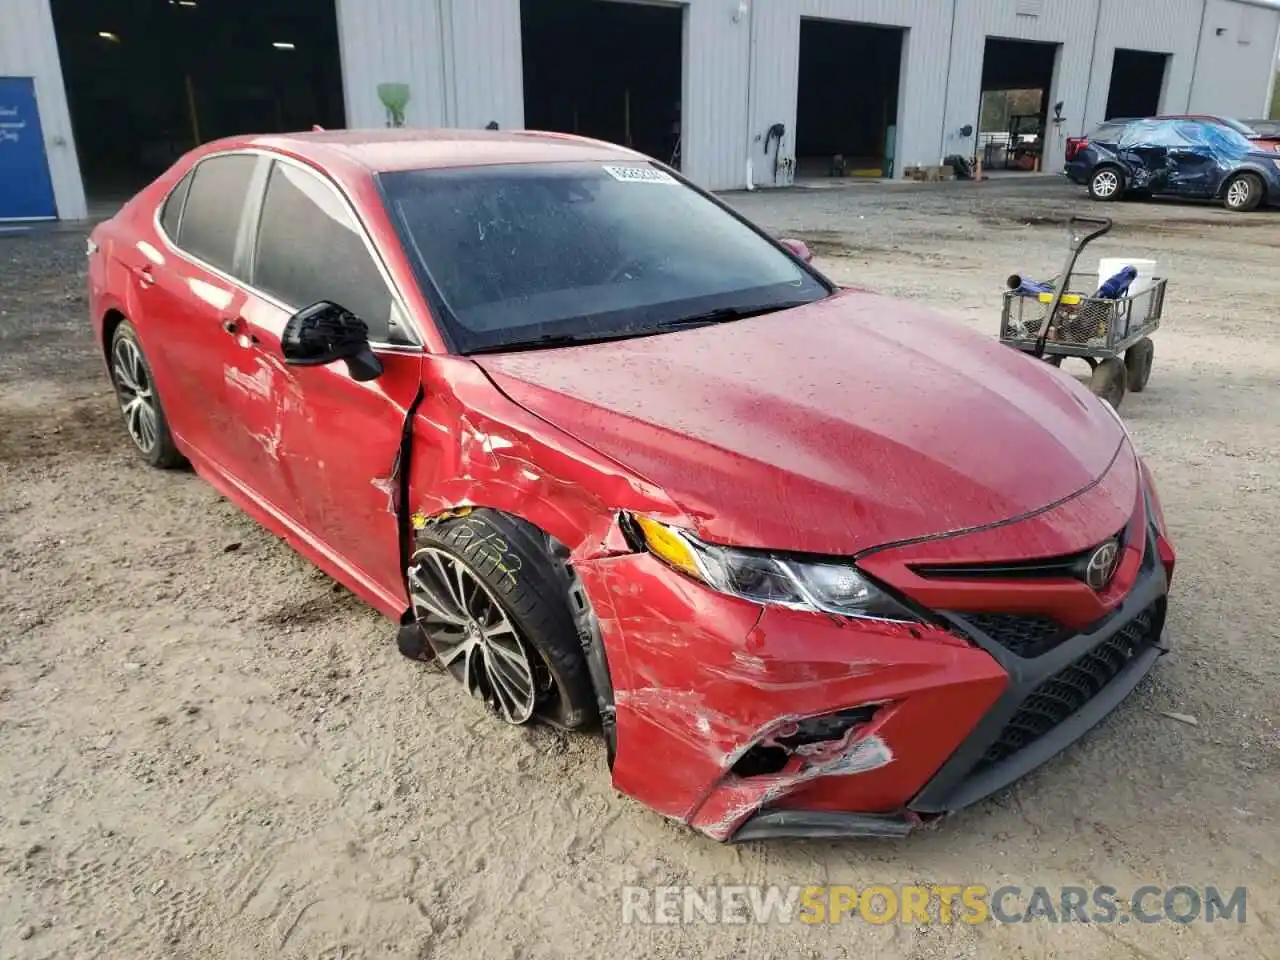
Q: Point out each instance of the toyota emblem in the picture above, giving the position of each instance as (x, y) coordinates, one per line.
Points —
(1102, 565)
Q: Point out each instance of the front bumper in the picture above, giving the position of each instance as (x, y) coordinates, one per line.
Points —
(712, 694)
(1069, 689)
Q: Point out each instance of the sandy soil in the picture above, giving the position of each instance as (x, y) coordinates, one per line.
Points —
(207, 749)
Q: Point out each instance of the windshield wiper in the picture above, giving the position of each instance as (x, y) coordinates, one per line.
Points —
(550, 340)
(725, 314)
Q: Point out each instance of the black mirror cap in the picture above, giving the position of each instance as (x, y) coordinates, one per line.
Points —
(326, 332)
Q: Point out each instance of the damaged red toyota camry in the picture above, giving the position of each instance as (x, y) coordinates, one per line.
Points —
(817, 562)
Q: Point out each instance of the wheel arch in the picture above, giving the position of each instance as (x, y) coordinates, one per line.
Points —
(1257, 173)
(112, 317)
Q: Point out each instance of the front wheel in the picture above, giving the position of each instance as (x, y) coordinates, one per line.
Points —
(493, 604)
(1243, 193)
(1107, 183)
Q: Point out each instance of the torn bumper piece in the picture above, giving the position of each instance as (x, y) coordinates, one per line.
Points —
(750, 723)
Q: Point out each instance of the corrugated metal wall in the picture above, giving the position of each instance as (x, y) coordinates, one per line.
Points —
(1237, 49)
(1070, 24)
(462, 61)
(1158, 26)
(28, 49)
(776, 63)
(392, 41)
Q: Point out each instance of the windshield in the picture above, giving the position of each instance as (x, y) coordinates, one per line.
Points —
(544, 254)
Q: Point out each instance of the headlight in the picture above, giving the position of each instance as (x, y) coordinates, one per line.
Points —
(772, 578)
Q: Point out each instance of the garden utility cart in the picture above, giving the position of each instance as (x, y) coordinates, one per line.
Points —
(1069, 319)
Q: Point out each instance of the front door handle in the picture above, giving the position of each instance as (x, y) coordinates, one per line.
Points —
(240, 330)
(146, 276)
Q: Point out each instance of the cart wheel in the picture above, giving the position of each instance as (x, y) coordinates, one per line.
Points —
(1109, 381)
(1137, 361)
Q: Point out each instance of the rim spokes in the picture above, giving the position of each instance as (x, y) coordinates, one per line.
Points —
(134, 391)
(472, 636)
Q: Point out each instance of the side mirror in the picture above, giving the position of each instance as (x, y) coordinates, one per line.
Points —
(798, 247)
(324, 333)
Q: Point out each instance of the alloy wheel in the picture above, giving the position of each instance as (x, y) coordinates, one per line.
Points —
(1106, 183)
(135, 393)
(1238, 193)
(473, 637)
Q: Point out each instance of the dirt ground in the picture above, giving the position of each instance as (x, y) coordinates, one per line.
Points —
(207, 749)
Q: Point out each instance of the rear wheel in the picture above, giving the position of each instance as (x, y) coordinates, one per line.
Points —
(1243, 192)
(1107, 183)
(1137, 361)
(1109, 381)
(139, 401)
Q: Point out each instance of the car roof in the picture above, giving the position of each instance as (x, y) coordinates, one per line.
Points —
(401, 148)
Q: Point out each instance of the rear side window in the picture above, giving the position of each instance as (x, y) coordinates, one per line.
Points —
(172, 213)
(214, 207)
(1107, 133)
(310, 248)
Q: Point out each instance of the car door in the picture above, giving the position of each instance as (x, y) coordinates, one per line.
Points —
(186, 291)
(1144, 148)
(1194, 168)
(327, 446)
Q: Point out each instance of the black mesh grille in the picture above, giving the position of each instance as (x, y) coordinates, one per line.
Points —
(1024, 636)
(1071, 688)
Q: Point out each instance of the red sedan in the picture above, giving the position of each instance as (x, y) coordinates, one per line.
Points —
(815, 561)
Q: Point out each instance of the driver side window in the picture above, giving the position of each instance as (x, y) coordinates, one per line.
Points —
(310, 249)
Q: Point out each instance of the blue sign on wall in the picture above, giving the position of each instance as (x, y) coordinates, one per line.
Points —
(26, 192)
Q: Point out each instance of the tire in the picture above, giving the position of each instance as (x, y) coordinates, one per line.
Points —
(139, 400)
(1137, 362)
(1106, 184)
(1109, 381)
(505, 564)
(1243, 192)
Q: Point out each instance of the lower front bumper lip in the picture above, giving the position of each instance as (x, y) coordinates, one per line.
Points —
(822, 824)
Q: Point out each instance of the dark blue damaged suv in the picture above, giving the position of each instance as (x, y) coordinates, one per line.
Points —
(1185, 157)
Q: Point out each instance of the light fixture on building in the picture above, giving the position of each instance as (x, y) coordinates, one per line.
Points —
(108, 35)
(284, 45)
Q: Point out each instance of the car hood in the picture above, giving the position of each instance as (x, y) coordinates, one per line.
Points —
(831, 428)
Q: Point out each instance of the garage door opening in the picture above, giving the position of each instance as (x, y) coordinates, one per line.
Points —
(1137, 84)
(1017, 78)
(847, 99)
(608, 70)
(148, 81)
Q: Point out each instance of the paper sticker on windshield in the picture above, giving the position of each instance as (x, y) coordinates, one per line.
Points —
(639, 175)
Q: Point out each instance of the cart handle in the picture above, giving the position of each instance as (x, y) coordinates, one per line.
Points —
(1080, 239)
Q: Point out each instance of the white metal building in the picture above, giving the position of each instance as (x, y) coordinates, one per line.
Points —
(742, 70)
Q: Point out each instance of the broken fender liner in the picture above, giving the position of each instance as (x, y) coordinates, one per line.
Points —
(818, 824)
